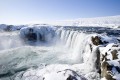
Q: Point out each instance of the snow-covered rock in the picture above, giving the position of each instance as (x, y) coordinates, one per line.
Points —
(5, 27)
(39, 33)
(110, 62)
(76, 55)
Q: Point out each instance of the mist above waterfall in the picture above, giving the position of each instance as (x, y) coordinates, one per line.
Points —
(36, 47)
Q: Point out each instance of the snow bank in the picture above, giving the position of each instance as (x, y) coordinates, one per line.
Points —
(38, 33)
(110, 21)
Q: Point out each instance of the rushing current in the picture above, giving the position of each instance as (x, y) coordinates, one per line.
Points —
(47, 48)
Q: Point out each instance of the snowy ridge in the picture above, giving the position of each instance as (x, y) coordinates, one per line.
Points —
(44, 52)
(110, 21)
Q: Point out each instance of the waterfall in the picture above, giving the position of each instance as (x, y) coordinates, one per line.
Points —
(77, 42)
(52, 49)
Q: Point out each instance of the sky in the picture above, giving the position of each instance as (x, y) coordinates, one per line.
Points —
(41, 11)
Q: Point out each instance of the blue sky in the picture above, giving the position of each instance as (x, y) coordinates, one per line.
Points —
(26, 11)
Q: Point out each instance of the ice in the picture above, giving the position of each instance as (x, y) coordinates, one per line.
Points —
(54, 54)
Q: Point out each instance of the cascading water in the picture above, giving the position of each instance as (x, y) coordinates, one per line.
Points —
(9, 40)
(75, 41)
(41, 46)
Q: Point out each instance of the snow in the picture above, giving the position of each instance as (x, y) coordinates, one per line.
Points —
(43, 32)
(110, 21)
(25, 57)
(56, 72)
(113, 62)
(66, 54)
(117, 77)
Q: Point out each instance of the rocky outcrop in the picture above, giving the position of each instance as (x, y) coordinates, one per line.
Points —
(108, 55)
(40, 33)
(96, 40)
(110, 62)
(97, 63)
(106, 68)
(114, 54)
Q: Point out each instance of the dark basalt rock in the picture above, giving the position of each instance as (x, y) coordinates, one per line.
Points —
(106, 68)
(115, 45)
(114, 54)
(97, 62)
(96, 40)
(71, 78)
(91, 47)
(104, 57)
(110, 65)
